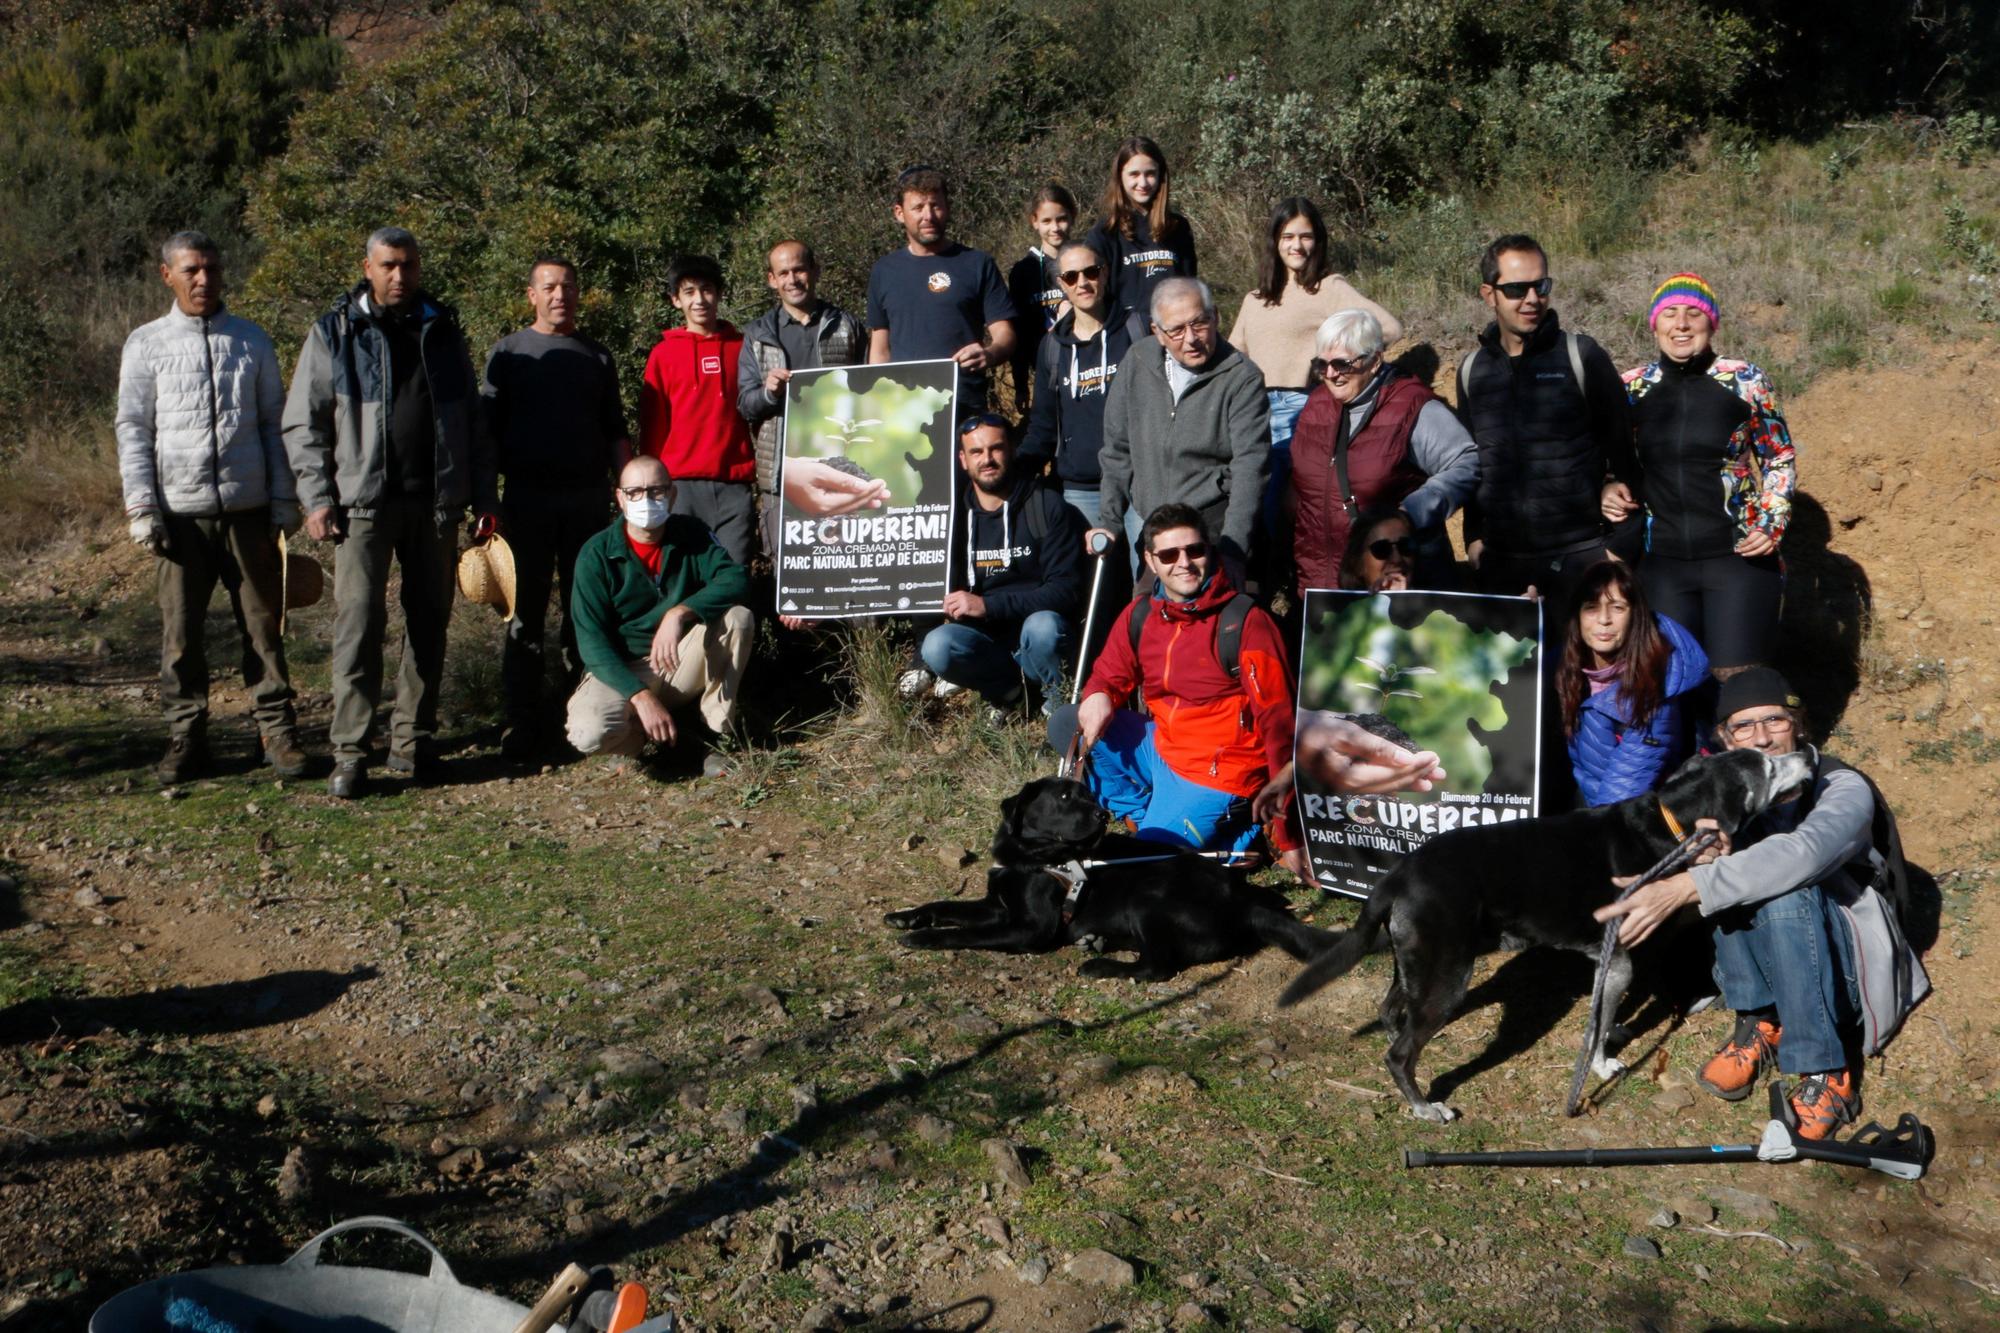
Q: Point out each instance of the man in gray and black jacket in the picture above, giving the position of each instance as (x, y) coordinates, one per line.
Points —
(801, 332)
(207, 490)
(386, 435)
(1186, 422)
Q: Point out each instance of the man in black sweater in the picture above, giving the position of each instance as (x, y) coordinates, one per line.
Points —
(1549, 413)
(1016, 577)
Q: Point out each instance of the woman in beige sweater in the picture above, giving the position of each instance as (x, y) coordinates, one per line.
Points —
(1279, 320)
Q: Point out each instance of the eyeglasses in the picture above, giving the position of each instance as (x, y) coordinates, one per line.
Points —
(1402, 546)
(1180, 331)
(1777, 724)
(1171, 555)
(1335, 365)
(1071, 276)
(1515, 291)
(647, 492)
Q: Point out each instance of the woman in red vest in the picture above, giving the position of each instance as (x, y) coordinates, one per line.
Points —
(1371, 435)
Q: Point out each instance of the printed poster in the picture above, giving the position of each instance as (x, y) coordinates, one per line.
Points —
(1457, 673)
(867, 476)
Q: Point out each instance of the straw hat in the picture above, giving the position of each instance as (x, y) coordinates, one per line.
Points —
(301, 581)
(486, 574)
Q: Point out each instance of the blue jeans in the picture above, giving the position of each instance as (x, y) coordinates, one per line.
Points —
(1285, 407)
(975, 659)
(1127, 774)
(1084, 500)
(1793, 954)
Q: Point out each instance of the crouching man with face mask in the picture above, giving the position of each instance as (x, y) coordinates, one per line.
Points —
(660, 624)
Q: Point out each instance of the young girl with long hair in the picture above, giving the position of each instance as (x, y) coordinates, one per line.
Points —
(1038, 296)
(1137, 228)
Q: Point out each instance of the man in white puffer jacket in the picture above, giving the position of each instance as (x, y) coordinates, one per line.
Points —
(208, 487)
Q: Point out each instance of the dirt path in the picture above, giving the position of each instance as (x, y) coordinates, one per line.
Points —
(413, 993)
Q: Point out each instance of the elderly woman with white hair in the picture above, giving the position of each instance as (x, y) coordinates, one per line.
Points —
(1372, 435)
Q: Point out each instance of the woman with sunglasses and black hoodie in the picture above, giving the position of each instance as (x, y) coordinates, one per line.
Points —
(1074, 367)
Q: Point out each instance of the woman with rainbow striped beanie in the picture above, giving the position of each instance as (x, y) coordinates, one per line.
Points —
(1716, 473)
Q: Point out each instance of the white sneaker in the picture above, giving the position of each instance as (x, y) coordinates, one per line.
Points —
(914, 682)
(944, 689)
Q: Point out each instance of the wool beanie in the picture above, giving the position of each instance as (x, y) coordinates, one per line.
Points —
(1685, 289)
(1758, 687)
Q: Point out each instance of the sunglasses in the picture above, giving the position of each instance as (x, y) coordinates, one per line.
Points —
(1402, 546)
(1171, 555)
(1515, 291)
(1335, 365)
(1072, 276)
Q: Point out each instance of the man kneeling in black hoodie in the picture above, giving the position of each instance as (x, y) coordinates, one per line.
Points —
(1016, 577)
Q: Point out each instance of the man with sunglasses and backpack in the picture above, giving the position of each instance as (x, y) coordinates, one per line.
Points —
(1211, 669)
(1549, 413)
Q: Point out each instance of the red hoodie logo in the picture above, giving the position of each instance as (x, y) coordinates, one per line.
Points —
(711, 365)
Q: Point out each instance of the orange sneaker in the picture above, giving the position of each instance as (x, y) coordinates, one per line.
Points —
(1732, 1072)
(1825, 1102)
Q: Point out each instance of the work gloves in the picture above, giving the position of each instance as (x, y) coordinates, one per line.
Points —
(149, 532)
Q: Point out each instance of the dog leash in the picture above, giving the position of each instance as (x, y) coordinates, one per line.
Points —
(1075, 873)
(1683, 854)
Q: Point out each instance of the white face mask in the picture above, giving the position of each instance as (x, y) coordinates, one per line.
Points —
(646, 513)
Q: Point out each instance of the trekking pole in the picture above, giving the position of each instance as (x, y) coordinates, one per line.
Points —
(1903, 1152)
(1100, 544)
(1683, 854)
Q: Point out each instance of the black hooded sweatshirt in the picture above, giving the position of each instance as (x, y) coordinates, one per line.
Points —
(1024, 557)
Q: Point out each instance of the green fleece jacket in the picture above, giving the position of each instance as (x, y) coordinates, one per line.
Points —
(616, 605)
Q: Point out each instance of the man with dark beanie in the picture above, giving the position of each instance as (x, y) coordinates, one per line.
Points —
(1808, 911)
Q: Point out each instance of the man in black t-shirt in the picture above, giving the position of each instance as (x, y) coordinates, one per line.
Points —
(552, 397)
(935, 298)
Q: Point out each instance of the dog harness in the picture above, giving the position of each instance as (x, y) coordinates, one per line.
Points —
(1074, 873)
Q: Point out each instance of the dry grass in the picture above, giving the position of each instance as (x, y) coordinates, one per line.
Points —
(61, 474)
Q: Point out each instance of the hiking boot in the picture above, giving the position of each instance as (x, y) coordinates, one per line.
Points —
(521, 744)
(186, 756)
(282, 753)
(419, 764)
(349, 776)
(1825, 1102)
(914, 681)
(1732, 1072)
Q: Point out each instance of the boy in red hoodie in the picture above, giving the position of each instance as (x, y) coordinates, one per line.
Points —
(1187, 774)
(687, 409)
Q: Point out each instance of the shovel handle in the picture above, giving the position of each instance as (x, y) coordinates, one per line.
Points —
(569, 1284)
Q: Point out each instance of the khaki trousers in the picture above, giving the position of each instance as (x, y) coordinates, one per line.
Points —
(424, 544)
(238, 550)
(710, 667)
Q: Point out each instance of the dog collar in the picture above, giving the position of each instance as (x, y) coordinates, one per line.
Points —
(1673, 825)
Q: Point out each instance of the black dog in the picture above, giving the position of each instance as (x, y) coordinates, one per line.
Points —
(1171, 907)
(1530, 881)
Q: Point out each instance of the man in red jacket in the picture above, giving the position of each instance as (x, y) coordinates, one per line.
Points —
(1188, 775)
(687, 409)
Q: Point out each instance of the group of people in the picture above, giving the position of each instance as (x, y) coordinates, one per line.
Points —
(1646, 508)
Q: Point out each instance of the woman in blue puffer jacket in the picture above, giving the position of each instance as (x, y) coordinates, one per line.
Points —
(1624, 678)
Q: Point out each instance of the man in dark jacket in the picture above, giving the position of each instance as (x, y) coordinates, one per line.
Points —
(801, 332)
(1016, 580)
(1548, 411)
(385, 433)
(659, 622)
(552, 395)
(1074, 367)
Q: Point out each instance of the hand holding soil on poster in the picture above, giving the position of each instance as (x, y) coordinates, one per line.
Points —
(1453, 676)
(866, 483)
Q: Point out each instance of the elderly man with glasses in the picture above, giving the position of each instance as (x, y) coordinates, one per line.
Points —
(1807, 912)
(659, 623)
(1186, 422)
